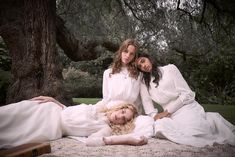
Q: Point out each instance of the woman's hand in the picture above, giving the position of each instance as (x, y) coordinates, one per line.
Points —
(44, 99)
(162, 115)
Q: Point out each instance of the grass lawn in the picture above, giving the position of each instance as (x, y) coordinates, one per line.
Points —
(86, 100)
(227, 111)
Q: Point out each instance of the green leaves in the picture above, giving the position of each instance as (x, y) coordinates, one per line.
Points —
(5, 59)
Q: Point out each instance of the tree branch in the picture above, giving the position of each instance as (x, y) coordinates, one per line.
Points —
(73, 48)
(178, 8)
(203, 11)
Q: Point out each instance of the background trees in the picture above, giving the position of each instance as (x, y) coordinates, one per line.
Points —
(196, 35)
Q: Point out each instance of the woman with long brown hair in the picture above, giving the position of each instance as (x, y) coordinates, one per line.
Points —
(121, 82)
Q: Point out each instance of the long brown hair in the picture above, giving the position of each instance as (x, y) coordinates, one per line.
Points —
(117, 62)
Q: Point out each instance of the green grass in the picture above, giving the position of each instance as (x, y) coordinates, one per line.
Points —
(227, 111)
(86, 100)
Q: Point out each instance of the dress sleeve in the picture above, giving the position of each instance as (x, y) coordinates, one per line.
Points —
(106, 131)
(139, 105)
(143, 127)
(96, 139)
(186, 95)
(147, 101)
(105, 91)
(105, 84)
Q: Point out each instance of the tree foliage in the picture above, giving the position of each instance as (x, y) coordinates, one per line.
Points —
(198, 36)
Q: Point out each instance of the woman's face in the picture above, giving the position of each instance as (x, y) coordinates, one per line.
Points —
(144, 64)
(121, 116)
(128, 54)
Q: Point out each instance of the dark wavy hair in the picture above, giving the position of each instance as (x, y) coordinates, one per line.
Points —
(156, 73)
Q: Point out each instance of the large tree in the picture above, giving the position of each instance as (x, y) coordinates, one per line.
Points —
(31, 30)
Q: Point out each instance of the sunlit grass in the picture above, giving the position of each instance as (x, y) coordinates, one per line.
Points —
(227, 111)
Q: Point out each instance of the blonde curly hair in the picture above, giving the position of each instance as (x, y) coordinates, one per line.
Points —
(117, 62)
(128, 127)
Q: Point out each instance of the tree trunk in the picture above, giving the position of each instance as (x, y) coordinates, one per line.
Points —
(31, 39)
(30, 30)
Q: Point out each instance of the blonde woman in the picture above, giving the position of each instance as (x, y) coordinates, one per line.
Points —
(44, 118)
(121, 82)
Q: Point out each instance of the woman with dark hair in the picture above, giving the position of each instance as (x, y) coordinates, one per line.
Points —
(43, 119)
(183, 120)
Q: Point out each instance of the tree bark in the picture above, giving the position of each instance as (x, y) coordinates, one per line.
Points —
(31, 39)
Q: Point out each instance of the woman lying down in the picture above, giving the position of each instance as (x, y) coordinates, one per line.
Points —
(44, 119)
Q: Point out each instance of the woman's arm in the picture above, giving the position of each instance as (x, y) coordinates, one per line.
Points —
(125, 140)
(105, 90)
(103, 137)
(116, 140)
(44, 99)
(102, 103)
(96, 139)
(162, 115)
(186, 95)
(147, 101)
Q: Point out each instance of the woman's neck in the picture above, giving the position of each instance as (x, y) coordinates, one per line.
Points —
(124, 65)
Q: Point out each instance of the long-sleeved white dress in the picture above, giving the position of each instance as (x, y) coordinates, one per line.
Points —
(120, 87)
(28, 122)
(189, 124)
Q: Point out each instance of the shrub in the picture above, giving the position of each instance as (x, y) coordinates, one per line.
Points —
(79, 83)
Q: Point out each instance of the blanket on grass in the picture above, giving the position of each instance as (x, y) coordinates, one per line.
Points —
(67, 147)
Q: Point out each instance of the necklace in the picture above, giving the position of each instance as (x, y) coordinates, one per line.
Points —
(125, 73)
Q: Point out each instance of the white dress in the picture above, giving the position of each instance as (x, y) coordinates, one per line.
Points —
(83, 120)
(120, 87)
(28, 122)
(189, 124)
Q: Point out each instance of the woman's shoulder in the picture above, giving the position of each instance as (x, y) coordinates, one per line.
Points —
(169, 67)
(108, 71)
